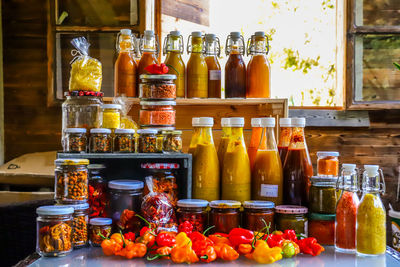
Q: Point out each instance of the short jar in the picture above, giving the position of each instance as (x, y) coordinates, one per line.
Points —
(75, 140)
(157, 113)
(111, 116)
(157, 87)
(100, 140)
(193, 211)
(322, 227)
(54, 230)
(99, 228)
(124, 141)
(225, 215)
(328, 163)
(172, 142)
(80, 225)
(258, 214)
(71, 186)
(290, 217)
(147, 141)
(323, 195)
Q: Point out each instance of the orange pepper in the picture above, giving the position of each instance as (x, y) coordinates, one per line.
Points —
(183, 254)
(226, 252)
(148, 238)
(208, 255)
(135, 250)
(110, 247)
(164, 252)
(118, 238)
(218, 239)
(244, 249)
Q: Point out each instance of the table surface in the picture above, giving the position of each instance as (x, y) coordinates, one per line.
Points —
(95, 257)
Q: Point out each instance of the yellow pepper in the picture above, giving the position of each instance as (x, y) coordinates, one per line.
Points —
(182, 240)
(263, 254)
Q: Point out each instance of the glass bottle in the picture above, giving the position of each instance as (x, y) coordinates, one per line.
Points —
(267, 179)
(197, 71)
(173, 48)
(258, 70)
(149, 49)
(346, 209)
(235, 67)
(212, 52)
(223, 143)
(297, 169)
(205, 164)
(371, 214)
(195, 135)
(285, 134)
(236, 174)
(256, 131)
(125, 68)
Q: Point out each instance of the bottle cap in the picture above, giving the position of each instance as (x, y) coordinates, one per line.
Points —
(372, 170)
(348, 167)
(100, 131)
(100, 221)
(111, 106)
(206, 121)
(210, 37)
(126, 31)
(125, 184)
(197, 34)
(75, 130)
(324, 154)
(268, 122)
(225, 122)
(255, 122)
(192, 203)
(285, 122)
(299, 122)
(175, 33)
(260, 34)
(54, 210)
(195, 121)
(235, 35)
(148, 33)
(237, 122)
(124, 131)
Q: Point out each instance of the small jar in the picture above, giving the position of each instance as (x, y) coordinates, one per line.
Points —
(147, 141)
(153, 113)
(100, 140)
(71, 184)
(157, 87)
(258, 214)
(160, 140)
(328, 163)
(80, 225)
(225, 215)
(75, 140)
(322, 227)
(111, 116)
(124, 141)
(98, 199)
(98, 229)
(323, 195)
(125, 202)
(194, 211)
(172, 142)
(292, 218)
(54, 230)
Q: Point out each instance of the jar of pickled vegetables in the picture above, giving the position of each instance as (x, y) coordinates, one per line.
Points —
(100, 140)
(194, 211)
(323, 195)
(124, 141)
(258, 214)
(322, 227)
(291, 217)
(147, 141)
(225, 215)
(157, 87)
(172, 142)
(157, 113)
(54, 230)
(98, 229)
(328, 163)
(80, 225)
(75, 140)
(98, 198)
(111, 116)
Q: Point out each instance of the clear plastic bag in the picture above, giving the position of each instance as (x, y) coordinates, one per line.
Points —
(126, 121)
(86, 72)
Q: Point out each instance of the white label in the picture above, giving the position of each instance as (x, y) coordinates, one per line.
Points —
(269, 190)
(215, 75)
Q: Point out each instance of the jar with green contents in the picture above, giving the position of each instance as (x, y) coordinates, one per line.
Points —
(289, 217)
(323, 195)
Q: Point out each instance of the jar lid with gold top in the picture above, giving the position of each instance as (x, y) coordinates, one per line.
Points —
(71, 162)
(225, 204)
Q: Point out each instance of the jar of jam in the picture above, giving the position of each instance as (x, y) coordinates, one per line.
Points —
(323, 195)
(322, 227)
(258, 214)
(98, 199)
(75, 140)
(328, 163)
(194, 211)
(225, 215)
(290, 217)
(100, 140)
(172, 142)
(124, 141)
(111, 116)
(157, 87)
(99, 228)
(147, 141)
(157, 113)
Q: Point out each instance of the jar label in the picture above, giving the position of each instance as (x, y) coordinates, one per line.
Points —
(269, 190)
(215, 75)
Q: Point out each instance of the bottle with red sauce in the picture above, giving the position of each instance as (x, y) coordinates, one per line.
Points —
(285, 133)
(297, 169)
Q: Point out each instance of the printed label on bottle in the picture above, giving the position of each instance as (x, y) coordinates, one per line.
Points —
(215, 75)
(269, 190)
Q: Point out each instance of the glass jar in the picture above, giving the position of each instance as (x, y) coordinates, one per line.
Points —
(328, 163)
(291, 217)
(100, 140)
(147, 141)
(54, 230)
(80, 225)
(111, 116)
(157, 113)
(160, 140)
(75, 140)
(157, 87)
(98, 229)
(323, 195)
(225, 215)
(194, 211)
(172, 142)
(98, 199)
(124, 141)
(258, 214)
(71, 177)
(163, 177)
(322, 227)
(125, 203)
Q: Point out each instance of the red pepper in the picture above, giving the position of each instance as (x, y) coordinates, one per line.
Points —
(157, 69)
(165, 239)
(275, 240)
(310, 246)
(239, 236)
(200, 243)
(290, 235)
(130, 236)
(185, 227)
(144, 230)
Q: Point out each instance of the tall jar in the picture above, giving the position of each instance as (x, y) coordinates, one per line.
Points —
(258, 214)
(98, 198)
(323, 195)
(54, 230)
(111, 116)
(194, 211)
(224, 141)
(291, 217)
(225, 215)
(149, 48)
(80, 225)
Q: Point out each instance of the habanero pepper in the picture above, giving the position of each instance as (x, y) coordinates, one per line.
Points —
(208, 254)
(226, 252)
(165, 239)
(239, 236)
(200, 242)
(220, 238)
(263, 254)
(129, 236)
(157, 69)
(289, 235)
(244, 249)
(275, 240)
(133, 250)
(310, 246)
(185, 227)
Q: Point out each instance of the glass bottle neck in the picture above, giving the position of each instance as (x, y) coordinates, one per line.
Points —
(284, 137)
(197, 45)
(348, 181)
(226, 131)
(297, 141)
(258, 46)
(149, 44)
(173, 45)
(206, 135)
(371, 184)
(268, 139)
(235, 46)
(125, 43)
(211, 48)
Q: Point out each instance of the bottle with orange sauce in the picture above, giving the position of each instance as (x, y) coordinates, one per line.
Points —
(235, 67)
(212, 52)
(149, 49)
(256, 131)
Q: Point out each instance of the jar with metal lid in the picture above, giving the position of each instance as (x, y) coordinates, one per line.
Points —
(111, 116)
(147, 141)
(157, 113)
(328, 163)
(193, 211)
(71, 177)
(125, 203)
(98, 199)
(157, 87)
(98, 229)
(290, 217)
(80, 225)
(160, 140)
(225, 215)
(323, 195)
(322, 227)
(124, 141)
(100, 140)
(172, 142)
(54, 230)
(258, 214)
(75, 140)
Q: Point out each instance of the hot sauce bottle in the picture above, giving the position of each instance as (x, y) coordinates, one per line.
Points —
(212, 53)
(256, 132)
(285, 125)
(173, 48)
(235, 68)
(197, 71)
(149, 49)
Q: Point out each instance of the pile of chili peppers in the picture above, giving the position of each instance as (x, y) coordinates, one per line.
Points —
(190, 247)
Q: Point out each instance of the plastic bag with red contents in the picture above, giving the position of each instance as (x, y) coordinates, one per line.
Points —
(158, 210)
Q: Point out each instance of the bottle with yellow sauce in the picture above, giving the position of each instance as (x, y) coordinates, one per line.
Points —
(195, 135)
(223, 143)
(256, 131)
(206, 181)
(371, 214)
(173, 48)
(236, 174)
(267, 179)
(197, 70)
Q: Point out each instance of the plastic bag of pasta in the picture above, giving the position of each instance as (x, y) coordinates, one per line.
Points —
(86, 73)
